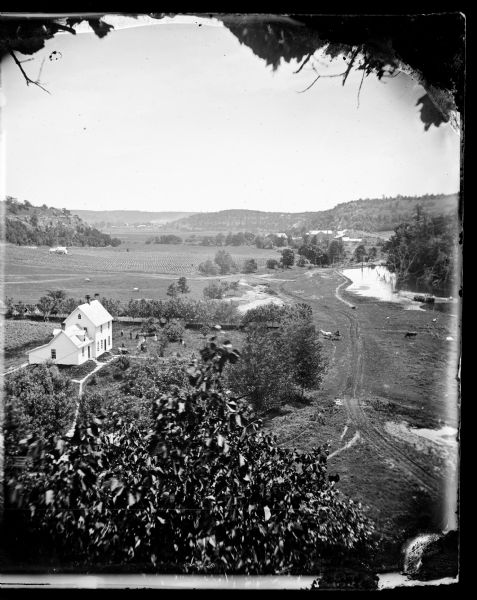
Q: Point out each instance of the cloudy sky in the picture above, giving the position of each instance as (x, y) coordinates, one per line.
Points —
(177, 116)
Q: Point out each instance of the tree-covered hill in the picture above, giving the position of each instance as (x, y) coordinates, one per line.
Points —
(42, 225)
(375, 214)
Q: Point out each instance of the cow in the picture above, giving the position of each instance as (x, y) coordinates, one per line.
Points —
(410, 334)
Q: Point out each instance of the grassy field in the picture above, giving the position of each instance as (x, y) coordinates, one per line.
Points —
(114, 272)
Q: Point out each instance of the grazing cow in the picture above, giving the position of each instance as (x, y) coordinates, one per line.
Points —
(326, 334)
(334, 478)
(410, 334)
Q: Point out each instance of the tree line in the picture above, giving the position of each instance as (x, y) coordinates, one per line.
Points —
(424, 249)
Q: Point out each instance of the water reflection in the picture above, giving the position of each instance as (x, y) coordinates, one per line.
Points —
(378, 283)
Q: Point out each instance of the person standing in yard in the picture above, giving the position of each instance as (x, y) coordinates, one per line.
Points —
(122, 333)
(130, 335)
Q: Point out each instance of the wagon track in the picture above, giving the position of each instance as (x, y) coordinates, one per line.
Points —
(352, 393)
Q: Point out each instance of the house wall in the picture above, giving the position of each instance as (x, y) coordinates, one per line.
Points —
(103, 338)
(102, 335)
(66, 353)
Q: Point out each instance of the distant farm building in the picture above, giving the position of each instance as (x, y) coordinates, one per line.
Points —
(85, 334)
(318, 231)
(59, 250)
(352, 240)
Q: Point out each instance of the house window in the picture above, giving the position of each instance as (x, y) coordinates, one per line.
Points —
(101, 329)
(79, 315)
(53, 354)
(82, 351)
(109, 340)
(97, 347)
(101, 344)
(109, 324)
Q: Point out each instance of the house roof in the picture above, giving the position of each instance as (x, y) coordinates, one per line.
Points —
(74, 334)
(95, 312)
(55, 335)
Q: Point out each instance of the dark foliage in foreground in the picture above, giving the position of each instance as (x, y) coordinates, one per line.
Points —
(205, 490)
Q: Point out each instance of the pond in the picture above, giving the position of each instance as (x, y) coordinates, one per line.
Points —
(378, 282)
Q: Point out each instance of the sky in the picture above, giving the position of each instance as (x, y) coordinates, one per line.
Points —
(179, 116)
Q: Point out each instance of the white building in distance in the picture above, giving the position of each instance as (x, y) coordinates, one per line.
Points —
(85, 334)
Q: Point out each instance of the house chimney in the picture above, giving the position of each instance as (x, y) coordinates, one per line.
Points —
(63, 326)
(88, 298)
(96, 296)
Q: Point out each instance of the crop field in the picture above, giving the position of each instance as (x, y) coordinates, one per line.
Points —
(145, 258)
(114, 272)
(22, 335)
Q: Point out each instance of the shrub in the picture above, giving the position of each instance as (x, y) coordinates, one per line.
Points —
(38, 400)
(174, 331)
(250, 266)
(272, 263)
(208, 268)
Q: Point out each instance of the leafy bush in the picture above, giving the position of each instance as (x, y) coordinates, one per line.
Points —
(250, 266)
(272, 263)
(204, 490)
(38, 400)
(208, 268)
(149, 379)
(174, 331)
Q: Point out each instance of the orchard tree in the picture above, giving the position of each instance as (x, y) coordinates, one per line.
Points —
(58, 297)
(46, 306)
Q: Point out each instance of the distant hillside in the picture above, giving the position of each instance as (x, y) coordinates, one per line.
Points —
(381, 214)
(106, 218)
(26, 224)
